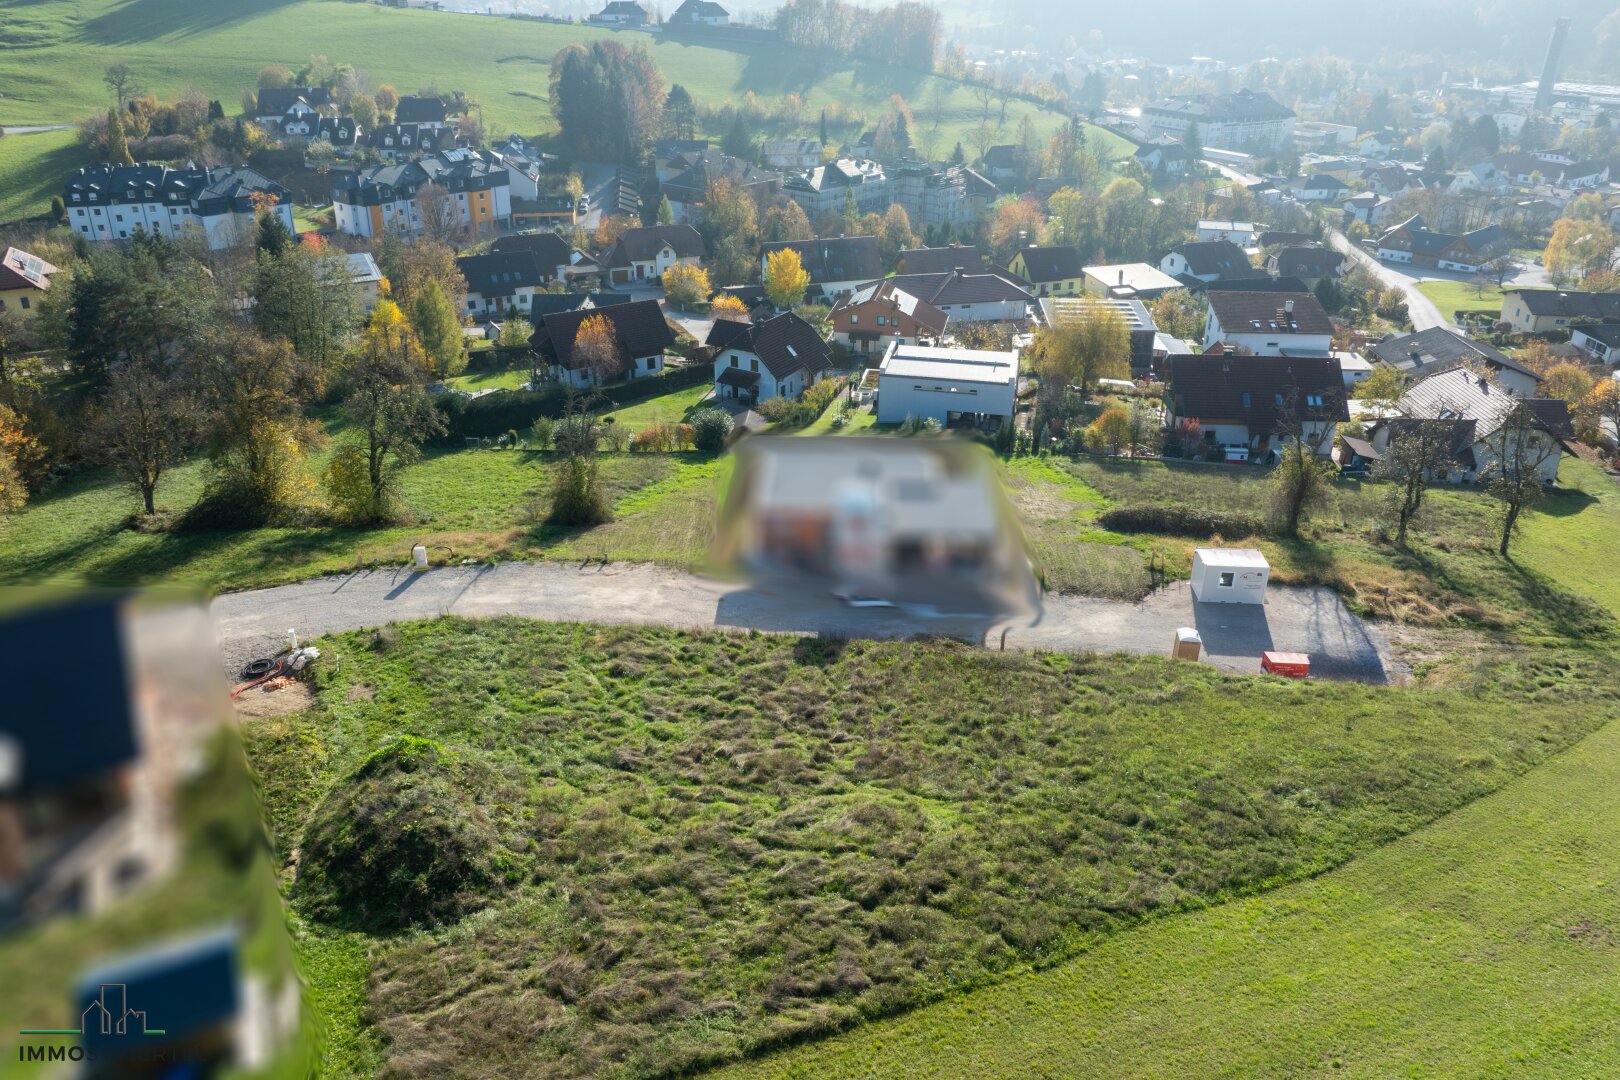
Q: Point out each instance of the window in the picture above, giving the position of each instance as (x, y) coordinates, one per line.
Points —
(471, 305)
(25, 303)
(734, 360)
(1247, 401)
(1313, 399)
(753, 365)
(854, 320)
(1277, 400)
(1227, 579)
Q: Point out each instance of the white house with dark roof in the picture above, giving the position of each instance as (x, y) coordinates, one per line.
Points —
(372, 201)
(112, 203)
(644, 254)
(621, 13)
(1269, 323)
(838, 265)
(1478, 408)
(1439, 349)
(700, 13)
(779, 357)
(989, 297)
(1245, 120)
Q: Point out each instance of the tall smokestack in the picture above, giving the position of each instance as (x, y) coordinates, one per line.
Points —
(1549, 70)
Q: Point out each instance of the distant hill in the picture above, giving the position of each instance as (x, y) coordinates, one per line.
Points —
(55, 54)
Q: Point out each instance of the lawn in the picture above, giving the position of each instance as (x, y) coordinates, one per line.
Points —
(860, 420)
(672, 408)
(667, 849)
(1481, 946)
(1450, 296)
(515, 379)
(479, 503)
(33, 168)
(56, 52)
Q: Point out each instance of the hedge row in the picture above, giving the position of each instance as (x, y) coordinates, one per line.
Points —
(496, 414)
(1180, 520)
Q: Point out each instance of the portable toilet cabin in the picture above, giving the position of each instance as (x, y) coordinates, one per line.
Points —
(1229, 576)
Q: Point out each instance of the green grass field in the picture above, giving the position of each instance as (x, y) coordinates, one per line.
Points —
(1451, 296)
(489, 380)
(56, 52)
(671, 408)
(709, 844)
(1482, 946)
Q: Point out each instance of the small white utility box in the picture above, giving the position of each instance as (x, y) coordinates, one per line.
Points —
(1229, 576)
(419, 557)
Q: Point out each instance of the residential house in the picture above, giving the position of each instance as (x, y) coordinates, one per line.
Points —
(110, 203)
(1246, 120)
(756, 361)
(1322, 188)
(524, 165)
(686, 179)
(621, 13)
(551, 252)
(639, 329)
(23, 281)
(966, 298)
(700, 13)
(1269, 323)
(1004, 164)
(1391, 180)
(824, 191)
(427, 113)
(1599, 342)
(1550, 168)
(642, 255)
(1309, 263)
(342, 133)
(1257, 402)
(1131, 281)
(796, 154)
(501, 283)
(1439, 349)
(837, 265)
(1213, 260)
(1049, 271)
(1241, 233)
(1413, 242)
(881, 313)
(361, 272)
(401, 142)
(1539, 311)
(978, 388)
(374, 200)
(1481, 178)
(1478, 408)
(940, 260)
(1166, 159)
(274, 104)
(1371, 210)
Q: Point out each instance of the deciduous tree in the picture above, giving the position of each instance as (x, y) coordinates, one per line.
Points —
(1418, 451)
(686, 285)
(1516, 452)
(596, 350)
(786, 279)
(147, 422)
(439, 327)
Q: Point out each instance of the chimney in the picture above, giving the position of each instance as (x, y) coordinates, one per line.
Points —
(1288, 306)
(1122, 277)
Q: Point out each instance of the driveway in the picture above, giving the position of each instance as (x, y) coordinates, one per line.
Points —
(1314, 621)
(1423, 312)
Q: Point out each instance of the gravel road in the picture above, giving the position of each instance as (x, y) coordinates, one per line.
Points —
(1314, 621)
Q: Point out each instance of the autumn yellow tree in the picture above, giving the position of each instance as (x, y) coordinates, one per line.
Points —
(596, 350)
(389, 334)
(1578, 248)
(1567, 381)
(686, 285)
(1597, 418)
(15, 444)
(727, 306)
(786, 279)
(1109, 432)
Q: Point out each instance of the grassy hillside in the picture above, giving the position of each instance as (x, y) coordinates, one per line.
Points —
(632, 851)
(54, 55)
(1482, 946)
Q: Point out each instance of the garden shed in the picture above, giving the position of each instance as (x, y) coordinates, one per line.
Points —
(1229, 576)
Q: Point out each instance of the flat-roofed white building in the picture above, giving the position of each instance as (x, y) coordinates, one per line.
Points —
(954, 386)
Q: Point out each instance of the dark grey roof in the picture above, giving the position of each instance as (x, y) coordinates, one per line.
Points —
(1438, 349)
(1323, 182)
(784, 344)
(941, 260)
(1569, 305)
(1247, 105)
(548, 249)
(275, 101)
(841, 258)
(1051, 263)
(1258, 390)
(501, 273)
(1608, 333)
(1268, 313)
(954, 288)
(1216, 257)
(420, 110)
(698, 9)
(543, 304)
(643, 244)
(1313, 261)
(638, 326)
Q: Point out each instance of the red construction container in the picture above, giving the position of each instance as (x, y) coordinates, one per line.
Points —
(1291, 665)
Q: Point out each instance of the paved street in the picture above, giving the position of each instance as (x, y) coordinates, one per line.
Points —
(1423, 311)
(1314, 621)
